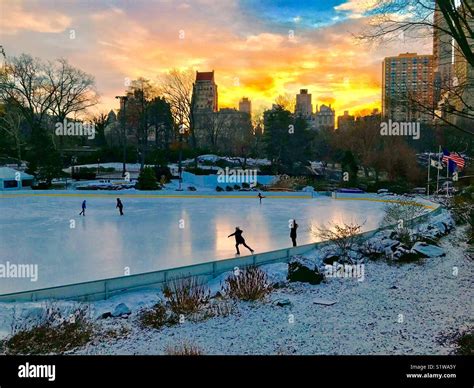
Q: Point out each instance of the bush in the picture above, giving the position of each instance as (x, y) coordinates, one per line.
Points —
(247, 284)
(53, 333)
(147, 180)
(229, 188)
(186, 296)
(466, 344)
(404, 211)
(184, 348)
(218, 188)
(157, 317)
(236, 187)
(345, 236)
(163, 174)
(245, 185)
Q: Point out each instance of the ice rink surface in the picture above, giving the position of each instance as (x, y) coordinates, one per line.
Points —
(154, 233)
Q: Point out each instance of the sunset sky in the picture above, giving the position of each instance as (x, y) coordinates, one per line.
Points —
(249, 44)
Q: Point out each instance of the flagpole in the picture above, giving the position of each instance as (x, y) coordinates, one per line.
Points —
(429, 168)
(447, 177)
(439, 163)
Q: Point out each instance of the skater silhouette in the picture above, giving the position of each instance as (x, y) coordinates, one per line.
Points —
(83, 212)
(239, 240)
(120, 206)
(260, 196)
(293, 228)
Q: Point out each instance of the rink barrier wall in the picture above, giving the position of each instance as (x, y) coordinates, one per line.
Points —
(107, 288)
(157, 194)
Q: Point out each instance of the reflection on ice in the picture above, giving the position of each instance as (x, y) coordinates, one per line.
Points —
(153, 234)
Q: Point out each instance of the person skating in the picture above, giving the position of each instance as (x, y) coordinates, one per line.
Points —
(83, 212)
(239, 240)
(260, 196)
(120, 206)
(293, 228)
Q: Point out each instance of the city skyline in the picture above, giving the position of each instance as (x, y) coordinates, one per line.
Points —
(254, 54)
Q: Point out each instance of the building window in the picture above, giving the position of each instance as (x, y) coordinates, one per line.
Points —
(10, 184)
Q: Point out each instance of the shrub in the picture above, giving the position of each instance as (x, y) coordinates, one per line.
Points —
(345, 237)
(183, 348)
(402, 210)
(53, 333)
(245, 185)
(466, 344)
(186, 296)
(236, 187)
(147, 180)
(247, 284)
(229, 188)
(157, 317)
(218, 188)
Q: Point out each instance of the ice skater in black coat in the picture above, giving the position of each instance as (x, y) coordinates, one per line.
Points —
(293, 228)
(239, 240)
(120, 206)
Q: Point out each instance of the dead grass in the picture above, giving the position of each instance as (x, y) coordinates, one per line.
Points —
(248, 284)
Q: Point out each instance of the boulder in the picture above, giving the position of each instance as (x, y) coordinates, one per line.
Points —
(282, 302)
(406, 255)
(121, 310)
(303, 270)
(428, 250)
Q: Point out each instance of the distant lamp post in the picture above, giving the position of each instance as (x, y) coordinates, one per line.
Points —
(183, 131)
(123, 107)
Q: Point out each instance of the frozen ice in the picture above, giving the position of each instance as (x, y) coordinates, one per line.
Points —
(155, 233)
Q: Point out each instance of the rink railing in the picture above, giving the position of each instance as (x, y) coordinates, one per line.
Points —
(106, 288)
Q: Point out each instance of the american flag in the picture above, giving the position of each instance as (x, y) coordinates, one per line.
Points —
(454, 157)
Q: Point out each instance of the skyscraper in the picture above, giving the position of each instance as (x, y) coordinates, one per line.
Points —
(205, 93)
(442, 53)
(245, 105)
(303, 105)
(407, 87)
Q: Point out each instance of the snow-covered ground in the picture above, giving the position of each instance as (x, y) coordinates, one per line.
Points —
(396, 309)
(154, 233)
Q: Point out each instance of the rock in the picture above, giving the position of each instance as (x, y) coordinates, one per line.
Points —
(406, 255)
(331, 259)
(282, 302)
(280, 284)
(121, 310)
(427, 250)
(324, 302)
(106, 315)
(441, 226)
(303, 270)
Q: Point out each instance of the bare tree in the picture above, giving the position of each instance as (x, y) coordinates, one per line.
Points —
(176, 87)
(415, 19)
(423, 19)
(10, 123)
(24, 84)
(286, 101)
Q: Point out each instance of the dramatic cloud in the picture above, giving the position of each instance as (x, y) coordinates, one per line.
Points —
(257, 54)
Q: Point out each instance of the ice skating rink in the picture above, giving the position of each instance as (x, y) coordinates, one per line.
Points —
(154, 233)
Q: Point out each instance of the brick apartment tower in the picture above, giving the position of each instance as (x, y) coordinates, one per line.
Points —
(407, 85)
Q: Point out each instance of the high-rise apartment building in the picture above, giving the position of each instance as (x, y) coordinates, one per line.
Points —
(245, 105)
(407, 87)
(303, 107)
(205, 93)
(442, 53)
